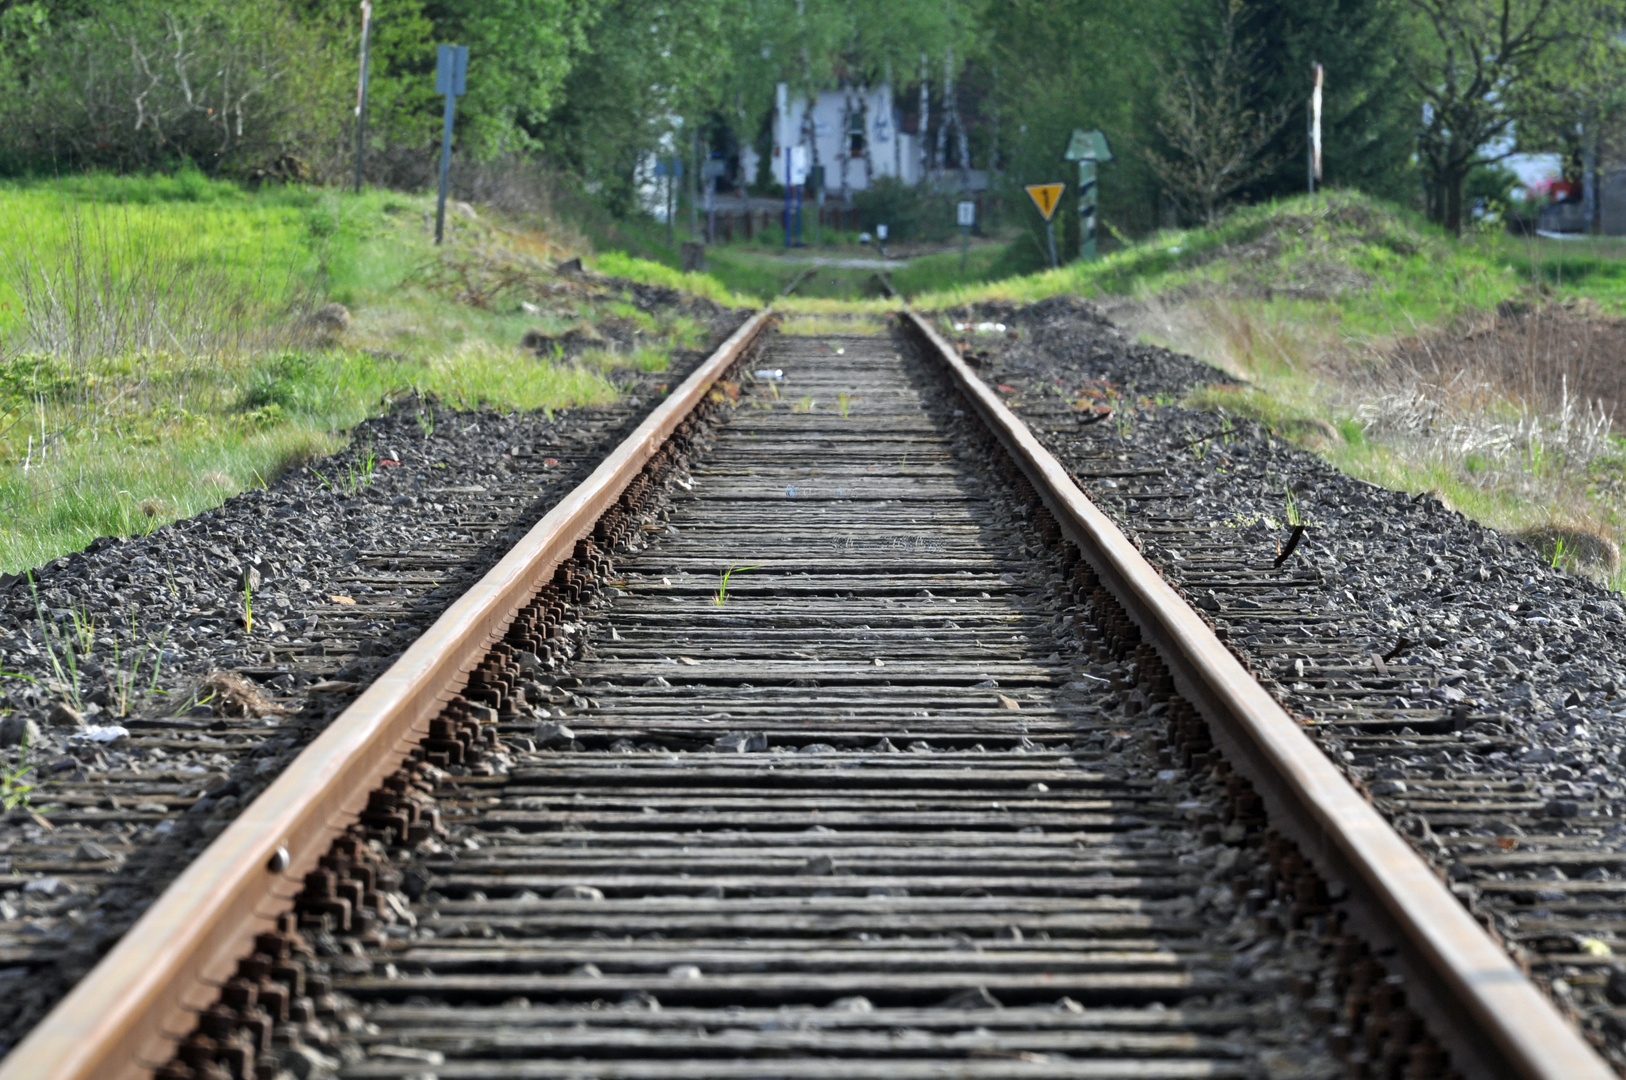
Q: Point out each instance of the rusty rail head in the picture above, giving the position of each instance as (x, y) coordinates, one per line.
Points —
(124, 1018)
(1479, 1005)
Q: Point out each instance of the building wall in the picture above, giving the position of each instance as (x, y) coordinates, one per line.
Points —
(889, 152)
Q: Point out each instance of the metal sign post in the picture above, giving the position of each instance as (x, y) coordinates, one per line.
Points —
(713, 170)
(815, 182)
(965, 213)
(1089, 149)
(451, 79)
(796, 168)
(1045, 197)
(361, 87)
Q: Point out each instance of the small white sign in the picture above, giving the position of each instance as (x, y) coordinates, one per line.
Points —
(798, 166)
(967, 213)
(880, 232)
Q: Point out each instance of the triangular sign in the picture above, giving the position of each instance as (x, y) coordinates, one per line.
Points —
(1045, 197)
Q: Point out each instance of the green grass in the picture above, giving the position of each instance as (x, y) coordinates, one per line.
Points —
(762, 272)
(928, 274)
(831, 324)
(648, 271)
(1377, 269)
(211, 381)
(1593, 268)
(261, 250)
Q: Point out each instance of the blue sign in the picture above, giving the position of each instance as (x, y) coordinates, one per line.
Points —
(452, 70)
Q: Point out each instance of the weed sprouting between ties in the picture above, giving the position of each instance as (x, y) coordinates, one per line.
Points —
(721, 596)
(361, 475)
(59, 647)
(14, 792)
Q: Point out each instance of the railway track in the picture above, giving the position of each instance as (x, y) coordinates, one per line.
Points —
(827, 731)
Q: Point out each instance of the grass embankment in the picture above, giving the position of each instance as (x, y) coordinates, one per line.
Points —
(764, 275)
(163, 342)
(1482, 370)
(758, 270)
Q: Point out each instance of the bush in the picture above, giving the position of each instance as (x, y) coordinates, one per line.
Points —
(228, 86)
(288, 382)
(909, 213)
(1489, 191)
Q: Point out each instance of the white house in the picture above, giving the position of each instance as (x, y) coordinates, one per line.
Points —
(852, 132)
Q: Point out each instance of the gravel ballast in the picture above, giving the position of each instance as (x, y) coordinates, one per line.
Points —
(1472, 691)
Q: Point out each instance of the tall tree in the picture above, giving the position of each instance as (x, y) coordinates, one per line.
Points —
(1469, 59)
(520, 53)
(1214, 140)
(647, 69)
(1068, 64)
(1573, 100)
(1369, 112)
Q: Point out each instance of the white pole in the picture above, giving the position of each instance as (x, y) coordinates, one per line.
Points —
(1315, 128)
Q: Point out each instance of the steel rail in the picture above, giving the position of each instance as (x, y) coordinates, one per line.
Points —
(125, 1017)
(1480, 1005)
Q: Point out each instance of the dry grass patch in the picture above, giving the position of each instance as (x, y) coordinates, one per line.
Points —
(1506, 416)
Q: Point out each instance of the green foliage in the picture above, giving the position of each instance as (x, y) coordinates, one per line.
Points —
(207, 88)
(1394, 271)
(1470, 64)
(909, 213)
(520, 53)
(255, 89)
(402, 109)
(138, 84)
(283, 384)
(1369, 111)
(1052, 79)
(1491, 187)
(13, 791)
(116, 440)
(644, 63)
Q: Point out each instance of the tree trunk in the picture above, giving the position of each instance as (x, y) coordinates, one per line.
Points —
(694, 182)
(1454, 181)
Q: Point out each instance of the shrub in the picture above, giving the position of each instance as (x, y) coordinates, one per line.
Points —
(909, 213)
(138, 86)
(288, 382)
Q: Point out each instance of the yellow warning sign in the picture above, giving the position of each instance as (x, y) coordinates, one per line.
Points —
(1045, 197)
